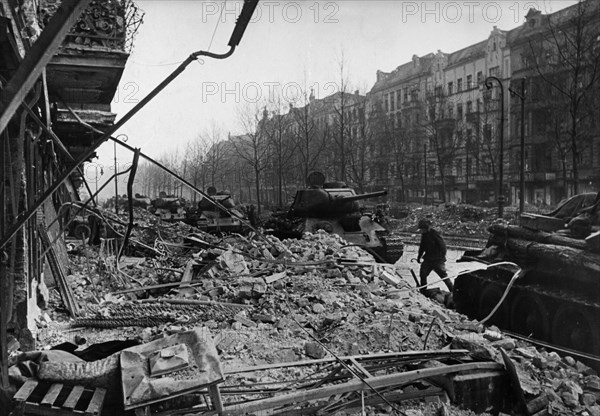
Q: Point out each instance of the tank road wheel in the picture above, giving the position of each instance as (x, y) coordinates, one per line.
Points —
(576, 327)
(489, 298)
(529, 316)
(466, 293)
(323, 225)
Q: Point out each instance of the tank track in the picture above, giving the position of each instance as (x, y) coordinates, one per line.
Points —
(138, 314)
(394, 248)
(546, 301)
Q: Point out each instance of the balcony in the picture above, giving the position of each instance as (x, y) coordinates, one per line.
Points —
(86, 70)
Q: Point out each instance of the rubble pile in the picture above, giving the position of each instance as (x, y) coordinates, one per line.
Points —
(455, 220)
(267, 301)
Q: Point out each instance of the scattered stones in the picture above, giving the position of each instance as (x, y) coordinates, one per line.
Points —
(314, 350)
(318, 308)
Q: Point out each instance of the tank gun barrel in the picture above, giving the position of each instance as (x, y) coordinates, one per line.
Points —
(352, 198)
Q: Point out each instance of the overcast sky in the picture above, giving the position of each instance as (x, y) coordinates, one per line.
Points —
(288, 44)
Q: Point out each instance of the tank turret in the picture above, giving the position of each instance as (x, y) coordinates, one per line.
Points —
(168, 207)
(212, 219)
(323, 202)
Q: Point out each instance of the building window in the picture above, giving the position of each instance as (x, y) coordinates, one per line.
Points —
(469, 82)
(479, 77)
(386, 103)
(392, 102)
(405, 94)
(398, 98)
(469, 107)
(487, 133)
(459, 85)
(495, 71)
(450, 87)
(459, 111)
(478, 105)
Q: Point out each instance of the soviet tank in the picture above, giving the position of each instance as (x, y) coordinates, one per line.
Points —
(213, 219)
(168, 208)
(556, 295)
(335, 208)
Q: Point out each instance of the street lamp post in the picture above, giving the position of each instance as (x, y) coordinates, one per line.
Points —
(521, 95)
(489, 85)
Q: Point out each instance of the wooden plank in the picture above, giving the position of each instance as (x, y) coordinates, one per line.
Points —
(59, 276)
(186, 279)
(73, 397)
(52, 394)
(357, 385)
(360, 368)
(215, 397)
(411, 355)
(95, 406)
(25, 390)
(38, 57)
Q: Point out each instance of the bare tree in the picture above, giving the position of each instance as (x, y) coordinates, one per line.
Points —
(196, 156)
(482, 141)
(566, 55)
(253, 147)
(444, 132)
(309, 135)
(217, 160)
(341, 131)
(277, 131)
(362, 134)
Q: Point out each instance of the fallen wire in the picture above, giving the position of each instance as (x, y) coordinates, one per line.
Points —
(338, 359)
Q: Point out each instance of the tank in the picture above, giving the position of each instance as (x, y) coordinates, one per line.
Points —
(335, 208)
(168, 208)
(556, 296)
(212, 219)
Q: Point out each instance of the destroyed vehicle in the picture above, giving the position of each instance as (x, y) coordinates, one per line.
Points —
(213, 219)
(168, 208)
(335, 208)
(556, 296)
(570, 207)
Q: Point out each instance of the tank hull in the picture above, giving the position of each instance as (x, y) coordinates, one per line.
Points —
(361, 231)
(557, 297)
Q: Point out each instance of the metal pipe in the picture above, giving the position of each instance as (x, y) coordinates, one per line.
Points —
(134, 166)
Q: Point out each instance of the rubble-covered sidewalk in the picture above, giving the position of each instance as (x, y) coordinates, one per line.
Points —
(298, 327)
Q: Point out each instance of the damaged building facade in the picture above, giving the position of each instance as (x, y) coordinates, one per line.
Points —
(72, 55)
(430, 131)
(462, 140)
